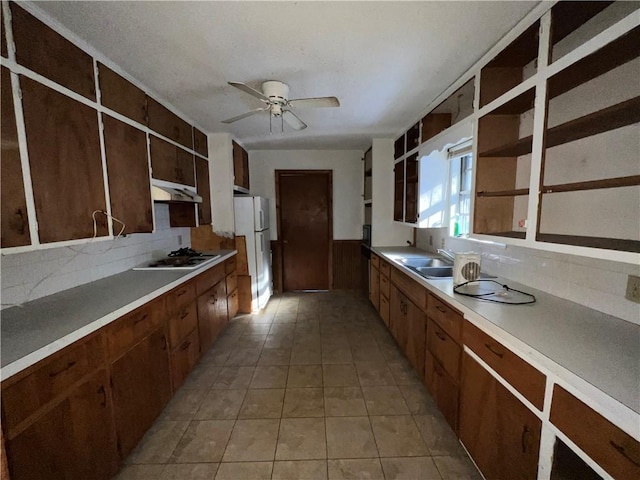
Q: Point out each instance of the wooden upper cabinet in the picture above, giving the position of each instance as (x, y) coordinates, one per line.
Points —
(413, 137)
(411, 190)
(167, 123)
(122, 96)
(128, 173)
(200, 144)
(66, 165)
(240, 166)
(398, 191)
(398, 147)
(202, 186)
(171, 163)
(15, 224)
(41, 49)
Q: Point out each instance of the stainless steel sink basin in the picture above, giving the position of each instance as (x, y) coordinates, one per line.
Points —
(440, 272)
(426, 263)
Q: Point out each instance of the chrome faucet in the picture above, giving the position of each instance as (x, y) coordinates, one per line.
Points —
(448, 254)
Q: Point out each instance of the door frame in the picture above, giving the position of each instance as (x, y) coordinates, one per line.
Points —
(279, 257)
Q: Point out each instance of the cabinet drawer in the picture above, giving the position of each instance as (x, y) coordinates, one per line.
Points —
(208, 279)
(385, 268)
(384, 286)
(375, 260)
(232, 282)
(611, 448)
(522, 376)
(384, 309)
(412, 289)
(49, 379)
(233, 304)
(181, 297)
(184, 358)
(230, 265)
(445, 316)
(125, 332)
(182, 324)
(443, 389)
(444, 349)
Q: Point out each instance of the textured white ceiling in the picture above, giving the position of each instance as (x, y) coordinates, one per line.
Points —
(385, 61)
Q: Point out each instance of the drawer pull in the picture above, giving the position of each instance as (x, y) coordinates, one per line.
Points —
(184, 315)
(141, 319)
(496, 353)
(185, 345)
(441, 309)
(63, 369)
(103, 391)
(181, 292)
(620, 449)
(164, 343)
(525, 432)
(441, 336)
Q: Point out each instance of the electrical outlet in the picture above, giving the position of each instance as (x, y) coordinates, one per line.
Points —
(431, 240)
(179, 240)
(633, 289)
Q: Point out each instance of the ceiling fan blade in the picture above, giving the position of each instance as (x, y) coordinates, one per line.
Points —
(320, 102)
(293, 120)
(245, 115)
(250, 91)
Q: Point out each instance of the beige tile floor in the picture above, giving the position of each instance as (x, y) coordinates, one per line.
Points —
(313, 387)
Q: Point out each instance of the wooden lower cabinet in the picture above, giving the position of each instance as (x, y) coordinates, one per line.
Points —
(443, 389)
(408, 326)
(73, 440)
(212, 315)
(499, 432)
(141, 388)
(184, 358)
(374, 294)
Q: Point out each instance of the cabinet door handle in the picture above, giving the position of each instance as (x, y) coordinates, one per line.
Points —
(141, 319)
(496, 353)
(63, 369)
(181, 292)
(103, 391)
(185, 345)
(441, 309)
(20, 215)
(184, 315)
(164, 343)
(620, 449)
(441, 336)
(525, 432)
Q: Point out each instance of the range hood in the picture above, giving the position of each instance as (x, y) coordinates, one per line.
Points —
(173, 195)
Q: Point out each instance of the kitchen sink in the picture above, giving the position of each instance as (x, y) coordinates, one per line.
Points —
(426, 263)
(440, 272)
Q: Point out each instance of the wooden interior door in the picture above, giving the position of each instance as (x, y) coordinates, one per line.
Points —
(305, 228)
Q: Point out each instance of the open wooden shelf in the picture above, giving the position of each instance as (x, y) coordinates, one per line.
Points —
(510, 234)
(517, 106)
(610, 118)
(616, 182)
(594, 242)
(566, 17)
(504, 193)
(612, 55)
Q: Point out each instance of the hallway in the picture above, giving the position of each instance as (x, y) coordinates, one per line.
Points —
(313, 387)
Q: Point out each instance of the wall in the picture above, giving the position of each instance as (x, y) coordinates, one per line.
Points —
(348, 181)
(31, 275)
(595, 283)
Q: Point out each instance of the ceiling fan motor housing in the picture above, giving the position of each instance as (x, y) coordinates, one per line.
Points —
(278, 92)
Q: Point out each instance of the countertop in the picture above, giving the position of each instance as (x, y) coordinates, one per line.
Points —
(600, 349)
(37, 329)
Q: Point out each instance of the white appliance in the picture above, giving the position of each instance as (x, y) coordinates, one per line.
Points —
(252, 222)
(466, 267)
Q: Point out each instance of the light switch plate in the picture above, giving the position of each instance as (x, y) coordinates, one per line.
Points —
(633, 289)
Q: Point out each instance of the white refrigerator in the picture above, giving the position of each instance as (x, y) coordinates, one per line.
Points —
(252, 222)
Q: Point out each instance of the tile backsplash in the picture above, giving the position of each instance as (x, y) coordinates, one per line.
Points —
(595, 283)
(31, 275)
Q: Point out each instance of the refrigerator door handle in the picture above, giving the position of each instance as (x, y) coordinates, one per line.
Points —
(261, 220)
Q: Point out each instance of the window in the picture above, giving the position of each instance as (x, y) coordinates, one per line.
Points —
(460, 183)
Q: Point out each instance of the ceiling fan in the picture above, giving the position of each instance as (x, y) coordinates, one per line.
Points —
(275, 96)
